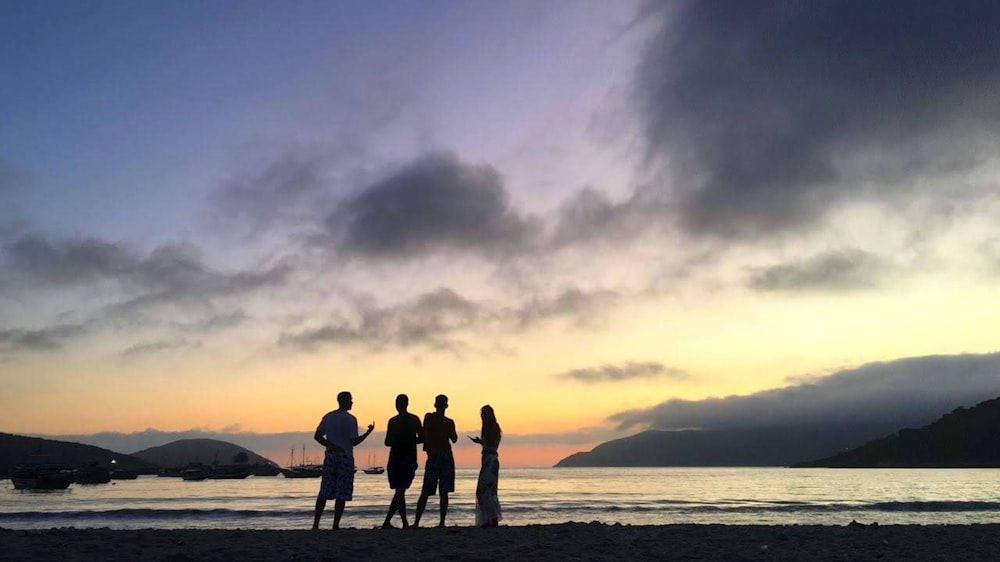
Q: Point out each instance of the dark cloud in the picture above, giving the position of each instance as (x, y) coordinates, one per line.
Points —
(769, 112)
(172, 273)
(436, 203)
(903, 392)
(625, 372)
(44, 339)
(845, 270)
(150, 348)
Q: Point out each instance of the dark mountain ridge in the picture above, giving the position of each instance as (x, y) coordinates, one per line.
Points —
(964, 438)
(762, 446)
(205, 451)
(17, 450)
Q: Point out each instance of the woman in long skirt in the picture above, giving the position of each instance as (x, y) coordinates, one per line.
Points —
(487, 502)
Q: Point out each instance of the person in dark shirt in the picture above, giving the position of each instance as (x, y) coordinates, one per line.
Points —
(402, 435)
(439, 472)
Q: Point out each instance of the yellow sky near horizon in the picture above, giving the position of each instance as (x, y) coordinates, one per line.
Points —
(732, 343)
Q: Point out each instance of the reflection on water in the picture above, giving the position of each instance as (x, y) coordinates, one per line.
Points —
(542, 495)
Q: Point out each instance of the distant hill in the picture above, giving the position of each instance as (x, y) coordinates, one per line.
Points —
(206, 451)
(16, 450)
(965, 438)
(775, 446)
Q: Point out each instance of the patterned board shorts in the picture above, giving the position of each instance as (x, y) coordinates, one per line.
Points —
(338, 477)
(440, 468)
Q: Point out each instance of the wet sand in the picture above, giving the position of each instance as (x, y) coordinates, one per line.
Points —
(568, 541)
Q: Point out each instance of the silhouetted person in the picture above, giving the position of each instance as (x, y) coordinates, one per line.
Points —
(338, 432)
(487, 502)
(402, 434)
(439, 472)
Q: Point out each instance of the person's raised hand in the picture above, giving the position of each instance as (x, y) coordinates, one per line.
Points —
(371, 427)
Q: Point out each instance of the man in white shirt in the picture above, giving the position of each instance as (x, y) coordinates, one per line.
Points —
(338, 432)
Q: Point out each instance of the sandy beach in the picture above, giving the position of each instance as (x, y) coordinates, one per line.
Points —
(568, 541)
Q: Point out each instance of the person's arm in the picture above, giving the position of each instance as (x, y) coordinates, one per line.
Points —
(420, 429)
(355, 441)
(390, 428)
(454, 434)
(320, 438)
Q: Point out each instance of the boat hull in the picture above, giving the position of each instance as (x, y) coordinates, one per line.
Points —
(43, 480)
(302, 472)
(211, 476)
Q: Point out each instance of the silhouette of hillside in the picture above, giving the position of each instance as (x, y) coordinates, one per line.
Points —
(965, 438)
(772, 446)
(206, 451)
(16, 450)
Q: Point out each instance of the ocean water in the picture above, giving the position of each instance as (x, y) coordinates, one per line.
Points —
(528, 496)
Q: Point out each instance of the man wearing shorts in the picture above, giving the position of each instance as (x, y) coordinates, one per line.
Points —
(402, 434)
(338, 432)
(439, 472)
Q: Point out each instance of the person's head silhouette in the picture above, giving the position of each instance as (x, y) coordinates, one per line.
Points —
(441, 403)
(402, 401)
(487, 414)
(344, 400)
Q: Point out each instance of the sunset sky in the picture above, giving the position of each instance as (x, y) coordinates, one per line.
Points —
(598, 217)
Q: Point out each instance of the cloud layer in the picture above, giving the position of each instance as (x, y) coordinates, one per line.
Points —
(115, 284)
(902, 392)
(441, 319)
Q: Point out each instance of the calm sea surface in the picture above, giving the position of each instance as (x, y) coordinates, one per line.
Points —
(534, 495)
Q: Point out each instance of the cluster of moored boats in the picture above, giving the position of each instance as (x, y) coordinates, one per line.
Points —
(59, 477)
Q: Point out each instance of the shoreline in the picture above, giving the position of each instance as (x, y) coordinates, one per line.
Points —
(582, 541)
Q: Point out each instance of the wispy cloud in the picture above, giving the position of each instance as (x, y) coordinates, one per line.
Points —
(625, 372)
(153, 347)
(845, 270)
(440, 319)
(42, 339)
(172, 271)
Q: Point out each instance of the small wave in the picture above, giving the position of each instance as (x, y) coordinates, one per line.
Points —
(551, 509)
(770, 507)
(112, 514)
